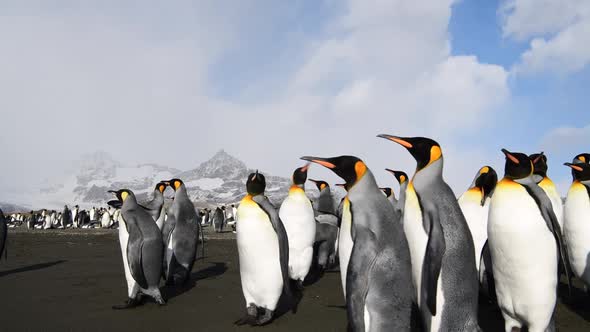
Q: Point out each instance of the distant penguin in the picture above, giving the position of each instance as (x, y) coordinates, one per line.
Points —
(206, 216)
(74, 216)
(378, 280)
(105, 219)
(31, 220)
(541, 178)
(402, 179)
(66, 217)
(218, 220)
(142, 249)
(263, 249)
(181, 236)
(297, 215)
(390, 195)
(525, 244)
(326, 235)
(92, 214)
(3, 233)
(441, 246)
(155, 207)
(576, 227)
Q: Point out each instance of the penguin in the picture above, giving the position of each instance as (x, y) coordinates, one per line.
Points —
(541, 178)
(66, 216)
(74, 216)
(206, 215)
(390, 195)
(105, 220)
(441, 246)
(378, 280)
(326, 236)
(525, 245)
(181, 235)
(582, 158)
(218, 220)
(475, 204)
(141, 248)
(402, 179)
(92, 214)
(3, 233)
(263, 248)
(576, 227)
(31, 220)
(296, 213)
(155, 207)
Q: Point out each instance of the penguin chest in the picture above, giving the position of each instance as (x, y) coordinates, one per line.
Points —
(416, 236)
(123, 240)
(523, 251)
(258, 249)
(297, 215)
(549, 188)
(476, 216)
(576, 229)
(345, 242)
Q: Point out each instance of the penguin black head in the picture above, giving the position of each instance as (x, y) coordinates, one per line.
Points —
(582, 158)
(539, 164)
(349, 168)
(320, 184)
(486, 181)
(387, 191)
(300, 175)
(581, 171)
(399, 175)
(424, 150)
(342, 185)
(518, 165)
(161, 186)
(255, 184)
(122, 195)
(174, 183)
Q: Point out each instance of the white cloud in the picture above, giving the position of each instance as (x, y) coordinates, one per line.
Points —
(560, 33)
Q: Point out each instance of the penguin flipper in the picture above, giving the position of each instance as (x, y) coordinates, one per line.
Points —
(486, 274)
(361, 262)
(279, 228)
(435, 249)
(546, 209)
(167, 230)
(134, 253)
(115, 203)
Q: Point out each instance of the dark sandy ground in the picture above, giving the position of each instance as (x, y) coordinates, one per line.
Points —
(68, 280)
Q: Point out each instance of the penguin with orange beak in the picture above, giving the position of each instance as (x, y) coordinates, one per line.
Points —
(378, 278)
(441, 246)
(326, 237)
(402, 179)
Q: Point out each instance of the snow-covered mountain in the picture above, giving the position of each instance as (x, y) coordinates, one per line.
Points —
(219, 180)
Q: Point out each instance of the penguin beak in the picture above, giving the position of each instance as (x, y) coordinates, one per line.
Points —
(399, 140)
(510, 156)
(305, 167)
(390, 171)
(574, 167)
(538, 158)
(314, 181)
(321, 161)
(112, 192)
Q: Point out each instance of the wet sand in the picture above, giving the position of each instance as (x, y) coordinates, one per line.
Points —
(68, 281)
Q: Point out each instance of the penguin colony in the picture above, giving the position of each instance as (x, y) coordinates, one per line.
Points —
(422, 251)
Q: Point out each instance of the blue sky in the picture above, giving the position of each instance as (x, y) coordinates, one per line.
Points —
(271, 81)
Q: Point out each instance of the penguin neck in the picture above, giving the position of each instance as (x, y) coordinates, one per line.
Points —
(325, 203)
(428, 175)
(362, 186)
(181, 193)
(297, 188)
(158, 196)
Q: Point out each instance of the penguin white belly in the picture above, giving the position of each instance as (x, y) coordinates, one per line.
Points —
(258, 249)
(132, 286)
(416, 236)
(106, 220)
(297, 215)
(576, 230)
(477, 221)
(160, 221)
(345, 242)
(525, 257)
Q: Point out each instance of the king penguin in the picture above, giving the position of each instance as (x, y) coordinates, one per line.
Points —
(297, 215)
(378, 279)
(326, 235)
(263, 249)
(525, 244)
(390, 195)
(141, 247)
(540, 176)
(3, 233)
(402, 179)
(180, 234)
(443, 260)
(155, 207)
(576, 227)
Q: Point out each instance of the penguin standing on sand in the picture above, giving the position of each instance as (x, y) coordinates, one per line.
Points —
(218, 220)
(326, 235)
(378, 279)
(75, 216)
(526, 245)
(576, 227)
(263, 249)
(402, 179)
(541, 178)
(297, 215)
(441, 246)
(142, 249)
(66, 217)
(155, 207)
(181, 234)
(3, 233)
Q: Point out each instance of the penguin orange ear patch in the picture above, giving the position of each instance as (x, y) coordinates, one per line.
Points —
(582, 159)
(484, 170)
(360, 169)
(124, 195)
(435, 153)
(176, 184)
(402, 179)
(322, 186)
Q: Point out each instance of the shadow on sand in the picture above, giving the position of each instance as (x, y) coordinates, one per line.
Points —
(33, 267)
(214, 270)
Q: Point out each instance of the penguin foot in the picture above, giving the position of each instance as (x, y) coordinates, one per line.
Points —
(130, 303)
(250, 318)
(265, 318)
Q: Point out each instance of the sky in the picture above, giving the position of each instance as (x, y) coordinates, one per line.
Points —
(270, 81)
